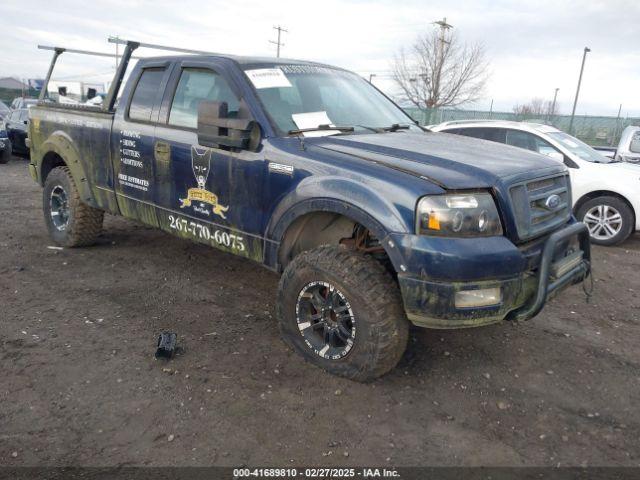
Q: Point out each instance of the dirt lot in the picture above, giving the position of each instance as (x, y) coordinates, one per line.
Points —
(80, 384)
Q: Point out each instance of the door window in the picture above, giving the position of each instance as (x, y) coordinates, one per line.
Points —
(531, 142)
(194, 86)
(519, 139)
(145, 94)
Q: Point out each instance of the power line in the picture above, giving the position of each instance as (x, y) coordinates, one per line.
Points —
(278, 42)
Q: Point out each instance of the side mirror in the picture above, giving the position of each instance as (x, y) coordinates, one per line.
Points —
(217, 130)
(634, 147)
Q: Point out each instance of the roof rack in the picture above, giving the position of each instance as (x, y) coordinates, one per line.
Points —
(81, 52)
(120, 41)
(115, 85)
(126, 56)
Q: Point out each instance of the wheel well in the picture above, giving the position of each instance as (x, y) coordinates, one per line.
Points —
(602, 193)
(327, 228)
(50, 161)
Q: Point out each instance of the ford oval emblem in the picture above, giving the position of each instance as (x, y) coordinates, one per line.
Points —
(552, 202)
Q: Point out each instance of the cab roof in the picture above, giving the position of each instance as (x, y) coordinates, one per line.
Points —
(241, 60)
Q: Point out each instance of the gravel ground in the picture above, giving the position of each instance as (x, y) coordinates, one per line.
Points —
(80, 385)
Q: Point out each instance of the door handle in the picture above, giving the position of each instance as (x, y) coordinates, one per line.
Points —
(162, 151)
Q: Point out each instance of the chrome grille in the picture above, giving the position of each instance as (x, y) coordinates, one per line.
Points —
(540, 205)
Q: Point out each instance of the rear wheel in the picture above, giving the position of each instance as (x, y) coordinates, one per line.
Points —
(342, 311)
(70, 222)
(609, 220)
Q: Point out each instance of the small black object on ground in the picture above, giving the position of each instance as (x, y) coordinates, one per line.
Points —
(166, 345)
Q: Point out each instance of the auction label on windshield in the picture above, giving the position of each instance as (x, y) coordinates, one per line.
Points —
(268, 78)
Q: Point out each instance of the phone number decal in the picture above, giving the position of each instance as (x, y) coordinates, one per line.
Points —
(203, 232)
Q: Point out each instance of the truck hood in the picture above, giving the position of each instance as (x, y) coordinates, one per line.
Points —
(451, 161)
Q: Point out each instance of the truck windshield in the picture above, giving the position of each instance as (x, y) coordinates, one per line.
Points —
(578, 148)
(303, 96)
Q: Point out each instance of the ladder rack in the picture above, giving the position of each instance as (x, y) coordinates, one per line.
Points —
(120, 41)
(130, 46)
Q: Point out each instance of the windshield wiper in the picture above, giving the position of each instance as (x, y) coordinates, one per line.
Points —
(395, 127)
(320, 128)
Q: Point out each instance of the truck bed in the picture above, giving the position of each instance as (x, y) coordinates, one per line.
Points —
(82, 136)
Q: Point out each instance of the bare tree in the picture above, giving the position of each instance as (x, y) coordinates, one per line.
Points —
(440, 72)
(536, 108)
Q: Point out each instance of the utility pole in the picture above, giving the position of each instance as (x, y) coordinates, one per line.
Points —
(278, 43)
(444, 28)
(615, 130)
(491, 109)
(552, 113)
(575, 102)
(553, 105)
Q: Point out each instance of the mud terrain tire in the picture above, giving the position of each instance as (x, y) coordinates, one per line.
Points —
(362, 292)
(70, 222)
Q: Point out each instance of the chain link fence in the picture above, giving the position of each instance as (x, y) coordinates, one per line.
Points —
(597, 131)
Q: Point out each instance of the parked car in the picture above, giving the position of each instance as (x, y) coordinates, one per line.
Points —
(4, 110)
(629, 145)
(17, 127)
(606, 193)
(312, 172)
(5, 145)
(609, 152)
(23, 102)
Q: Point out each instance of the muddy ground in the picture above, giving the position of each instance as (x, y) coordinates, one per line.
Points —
(80, 385)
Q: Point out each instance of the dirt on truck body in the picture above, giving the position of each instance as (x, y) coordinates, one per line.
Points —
(373, 223)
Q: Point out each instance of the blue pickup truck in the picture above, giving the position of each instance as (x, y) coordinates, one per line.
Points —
(374, 223)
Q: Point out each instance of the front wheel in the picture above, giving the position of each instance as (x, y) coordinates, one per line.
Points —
(342, 311)
(610, 220)
(70, 222)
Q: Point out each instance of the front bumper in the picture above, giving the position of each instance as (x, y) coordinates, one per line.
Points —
(430, 303)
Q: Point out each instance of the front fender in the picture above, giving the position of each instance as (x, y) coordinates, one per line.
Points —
(342, 196)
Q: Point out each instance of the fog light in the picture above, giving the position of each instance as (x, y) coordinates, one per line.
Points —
(478, 298)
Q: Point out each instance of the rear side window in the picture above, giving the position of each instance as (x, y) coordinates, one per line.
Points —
(145, 94)
(194, 86)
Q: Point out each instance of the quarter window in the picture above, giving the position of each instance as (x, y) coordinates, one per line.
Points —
(194, 86)
(145, 95)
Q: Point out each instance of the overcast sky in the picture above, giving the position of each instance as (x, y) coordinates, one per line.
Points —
(533, 47)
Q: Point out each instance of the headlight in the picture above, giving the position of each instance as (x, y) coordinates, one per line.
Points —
(458, 215)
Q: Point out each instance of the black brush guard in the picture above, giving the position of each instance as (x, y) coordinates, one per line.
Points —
(548, 284)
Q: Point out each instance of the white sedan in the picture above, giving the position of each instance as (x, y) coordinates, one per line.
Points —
(606, 192)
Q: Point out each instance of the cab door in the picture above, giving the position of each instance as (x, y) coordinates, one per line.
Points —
(211, 195)
(132, 142)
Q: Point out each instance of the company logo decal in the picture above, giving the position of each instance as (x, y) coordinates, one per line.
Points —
(201, 164)
(552, 202)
